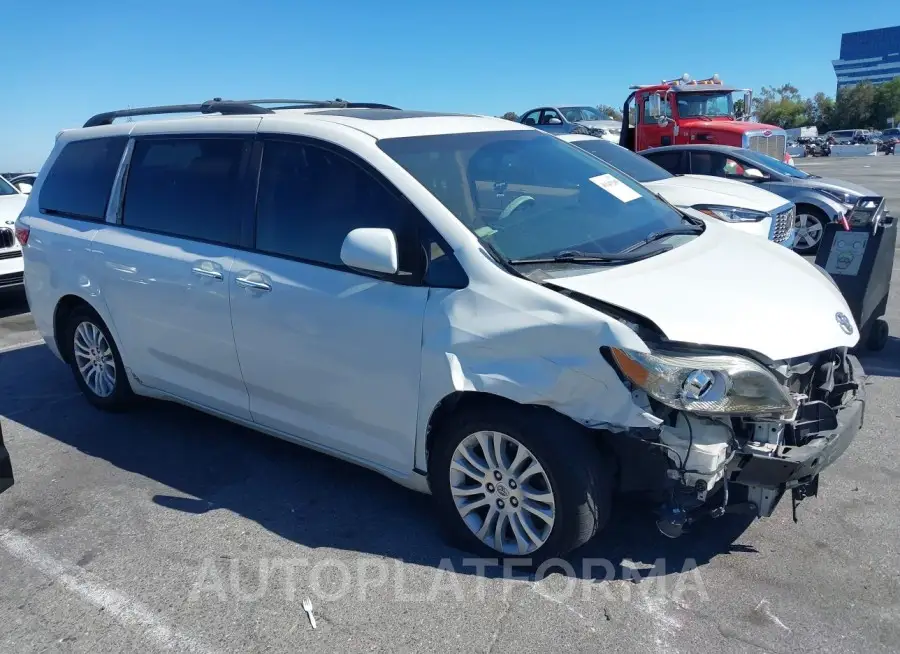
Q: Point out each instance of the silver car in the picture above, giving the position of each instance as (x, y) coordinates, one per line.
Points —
(819, 199)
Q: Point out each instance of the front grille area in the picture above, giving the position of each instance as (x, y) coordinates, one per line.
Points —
(12, 279)
(7, 238)
(11, 254)
(770, 145)
(781, 225)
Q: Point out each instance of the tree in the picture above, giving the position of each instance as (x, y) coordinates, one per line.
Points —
(782, 106)
(739, 108)
(510, 115)
(886, 103)
(855, 106)
(612, 112)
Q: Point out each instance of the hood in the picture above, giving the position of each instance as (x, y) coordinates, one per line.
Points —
(688, 190)
(727, 289)
(725, 125)
(605, 124)
(838, 185)
(11, 206)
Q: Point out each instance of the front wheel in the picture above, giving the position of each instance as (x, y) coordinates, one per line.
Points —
(809, 227)
(520, 482)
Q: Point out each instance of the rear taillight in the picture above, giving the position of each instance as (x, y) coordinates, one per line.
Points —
(22, 233)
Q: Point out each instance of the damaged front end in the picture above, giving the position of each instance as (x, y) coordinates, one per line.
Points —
(737, 433)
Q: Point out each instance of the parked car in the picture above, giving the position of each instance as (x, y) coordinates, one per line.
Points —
(24, 182)
(464, 304)
(744, 207)
(573, 120)
(818, 199)
(11, 204)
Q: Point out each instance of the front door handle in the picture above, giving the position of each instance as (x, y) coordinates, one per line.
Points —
(246, 282)
(205, 272)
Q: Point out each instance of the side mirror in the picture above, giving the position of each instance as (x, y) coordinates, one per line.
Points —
(371, 249)
(654, 106)
(662, 121)
(24, 187)
(554, 121)
(754, 173)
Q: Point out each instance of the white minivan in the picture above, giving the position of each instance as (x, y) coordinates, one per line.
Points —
(465, 304)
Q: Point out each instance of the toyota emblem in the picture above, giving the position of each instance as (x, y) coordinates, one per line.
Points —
(844, 322)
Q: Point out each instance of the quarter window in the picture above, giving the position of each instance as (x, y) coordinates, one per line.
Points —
(187, 187)
(79, 182)
(310, 198)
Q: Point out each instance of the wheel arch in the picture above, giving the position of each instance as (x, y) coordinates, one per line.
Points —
(64, 308)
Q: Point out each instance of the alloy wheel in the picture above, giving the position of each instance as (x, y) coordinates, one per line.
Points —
(502, 493)
(808, 229)
(95, 359)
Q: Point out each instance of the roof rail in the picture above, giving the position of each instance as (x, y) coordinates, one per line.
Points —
(230, 107)
(214, 106)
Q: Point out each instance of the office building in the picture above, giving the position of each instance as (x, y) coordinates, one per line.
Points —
(872, 55)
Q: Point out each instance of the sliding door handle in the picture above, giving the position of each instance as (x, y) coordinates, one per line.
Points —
(205, 272)
(246, 282)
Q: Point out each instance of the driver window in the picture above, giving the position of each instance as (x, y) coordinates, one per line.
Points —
(665, 107)
(709, 163)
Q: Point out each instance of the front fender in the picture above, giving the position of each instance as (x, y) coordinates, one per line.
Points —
(799, 195)
(535, 346)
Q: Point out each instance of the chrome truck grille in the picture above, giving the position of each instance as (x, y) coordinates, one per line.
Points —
(767, 142)
(782, 223)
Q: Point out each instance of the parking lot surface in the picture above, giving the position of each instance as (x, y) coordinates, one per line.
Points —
(167, 530)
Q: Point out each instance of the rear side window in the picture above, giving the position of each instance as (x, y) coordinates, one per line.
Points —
(187, 187)
(79, 182)
(310, 198)
(671, 161)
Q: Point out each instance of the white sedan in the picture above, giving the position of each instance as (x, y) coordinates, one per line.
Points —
(742, 206)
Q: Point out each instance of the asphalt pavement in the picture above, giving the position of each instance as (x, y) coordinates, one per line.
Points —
(167, 530)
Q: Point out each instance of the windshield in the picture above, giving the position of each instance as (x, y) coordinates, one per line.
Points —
(528, 194)
(574, 114)
(705, 104)
(633, 165)
(774, 165)
(6, 188)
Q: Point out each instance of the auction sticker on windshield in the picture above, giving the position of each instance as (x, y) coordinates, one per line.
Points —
(615, 188)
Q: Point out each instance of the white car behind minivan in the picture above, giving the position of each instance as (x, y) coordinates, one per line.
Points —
(11, 204)
(465, 304)
(742, 206)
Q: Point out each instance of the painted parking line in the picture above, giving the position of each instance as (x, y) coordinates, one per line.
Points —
(127, 611)
(21, 346)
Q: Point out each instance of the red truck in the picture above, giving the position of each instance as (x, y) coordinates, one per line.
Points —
(685, 111)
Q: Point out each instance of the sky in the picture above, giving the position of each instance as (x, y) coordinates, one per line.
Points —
(65, 60)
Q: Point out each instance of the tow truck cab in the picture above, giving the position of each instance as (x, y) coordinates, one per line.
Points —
(685, 111)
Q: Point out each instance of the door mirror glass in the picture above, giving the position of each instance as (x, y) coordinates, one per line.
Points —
(654, 106)
(754, 173)
(662, 121)
(24, 187)
(554, 121)
(371, 249)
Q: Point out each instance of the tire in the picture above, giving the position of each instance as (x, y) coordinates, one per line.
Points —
(580, 476)
(82, 325)
(878, 335)
(810, 216)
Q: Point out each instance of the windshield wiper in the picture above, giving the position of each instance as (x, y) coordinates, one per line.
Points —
(687, 229)
(576, 256)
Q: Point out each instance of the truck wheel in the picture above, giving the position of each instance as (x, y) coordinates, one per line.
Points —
(95, 361)
(519, 482)
(878, 335)
(809, 227)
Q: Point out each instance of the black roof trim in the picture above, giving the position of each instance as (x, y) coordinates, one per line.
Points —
(228, 107)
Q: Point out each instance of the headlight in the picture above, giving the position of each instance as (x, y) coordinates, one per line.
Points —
(731, 214)
(711, 384)
(840, 196)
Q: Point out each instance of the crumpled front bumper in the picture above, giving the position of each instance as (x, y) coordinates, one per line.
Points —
(794, 466)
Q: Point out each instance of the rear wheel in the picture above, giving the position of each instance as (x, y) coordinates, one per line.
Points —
(809, 226)
(520, 482)
(95, 361)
